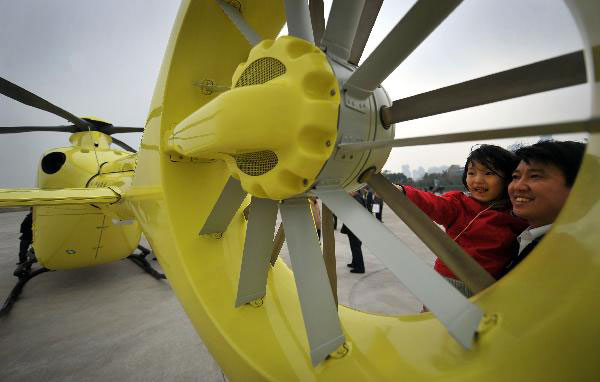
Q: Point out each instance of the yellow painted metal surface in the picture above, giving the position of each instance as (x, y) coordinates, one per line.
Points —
(79, 218)
(66, 237)
(539, 323)
(540, 320)
(281, 143)
(40, 197)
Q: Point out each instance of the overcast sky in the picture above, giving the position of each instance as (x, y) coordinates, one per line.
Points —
(102, 58)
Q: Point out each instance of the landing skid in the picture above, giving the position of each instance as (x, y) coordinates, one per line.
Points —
(140, 260)
(24, 274)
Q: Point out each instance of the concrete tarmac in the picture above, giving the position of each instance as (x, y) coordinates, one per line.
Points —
(115, 322)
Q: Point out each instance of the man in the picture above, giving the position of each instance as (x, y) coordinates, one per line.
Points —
(540, 186)
(357, 264)
(26, 237)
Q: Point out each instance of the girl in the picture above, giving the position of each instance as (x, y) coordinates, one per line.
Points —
(480, 222)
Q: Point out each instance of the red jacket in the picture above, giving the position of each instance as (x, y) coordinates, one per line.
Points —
(491, 238)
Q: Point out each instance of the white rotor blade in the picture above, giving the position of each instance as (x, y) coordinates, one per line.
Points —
(590, 126)
(541, 76)
(298, 19)
(316, 300)
(317, 19)
(236, 18)
(227, 205)
(367, 20)
(407, 35)
(257, 250)
(460, 316)
(343, 21)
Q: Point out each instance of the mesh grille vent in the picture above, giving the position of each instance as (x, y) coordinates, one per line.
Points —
(261, 71)
(256, 163)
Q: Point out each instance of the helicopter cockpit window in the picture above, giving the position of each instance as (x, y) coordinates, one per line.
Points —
(53, 162)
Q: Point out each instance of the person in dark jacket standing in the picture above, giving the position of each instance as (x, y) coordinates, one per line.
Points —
(357, 264)
(378, 207)
(26, 237)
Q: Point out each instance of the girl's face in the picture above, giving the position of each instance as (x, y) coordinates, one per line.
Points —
(484, 184)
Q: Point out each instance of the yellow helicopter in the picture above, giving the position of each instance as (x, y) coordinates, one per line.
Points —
(71, 231)
(271, 122)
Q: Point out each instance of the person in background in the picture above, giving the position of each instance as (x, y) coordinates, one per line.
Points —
(368, 196)
(539, 188)
(378, 207)
(26, 238)
(481, 222)
(357, 264)
(316, 213)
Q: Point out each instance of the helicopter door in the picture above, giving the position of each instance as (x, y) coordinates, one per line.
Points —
(76, 236)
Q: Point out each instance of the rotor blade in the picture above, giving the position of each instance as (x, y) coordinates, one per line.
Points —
(123, 145)
(404, 38)
(317, 19)
(590, 126)
(341, 27)
(277, 244)
(460, 263)
(257, 250)
(329, 250)
(457, 313)
(298, 19)
(551, 74)
(28, 129)
(367, 20)
(238, 20)
(121, 129)
(318, 306)
(24, 96)
(225, 208)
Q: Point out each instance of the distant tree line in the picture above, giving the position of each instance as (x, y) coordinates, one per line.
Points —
(448, 180)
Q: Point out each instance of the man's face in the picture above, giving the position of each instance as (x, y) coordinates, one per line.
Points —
(538, 192)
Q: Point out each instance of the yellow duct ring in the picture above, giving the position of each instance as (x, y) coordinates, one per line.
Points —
(541, 322)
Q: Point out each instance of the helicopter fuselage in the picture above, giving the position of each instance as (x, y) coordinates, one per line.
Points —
(73, 236)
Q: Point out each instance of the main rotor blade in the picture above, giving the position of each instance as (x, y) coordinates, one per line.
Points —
(238, 20)
(341, 27)
(551, 74)
(590, 126)
(121, 129)
(460, 263)
(317, 19)
(406, 36)
(123, 145)
(28, 129)
(225, 208)
(257, 250)
(365, 25)
(316, 300)
(24, 96)
(458, 314)
(298, 19)
(328, 235)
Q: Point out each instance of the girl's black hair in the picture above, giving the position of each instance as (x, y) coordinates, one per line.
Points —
(500, 161)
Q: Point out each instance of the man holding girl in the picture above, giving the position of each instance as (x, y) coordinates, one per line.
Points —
(512, 200)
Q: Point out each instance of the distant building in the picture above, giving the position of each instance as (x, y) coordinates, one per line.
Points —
(515, 146)
(437, 169)
(418, 173)
(455, 170)
(406, 171)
